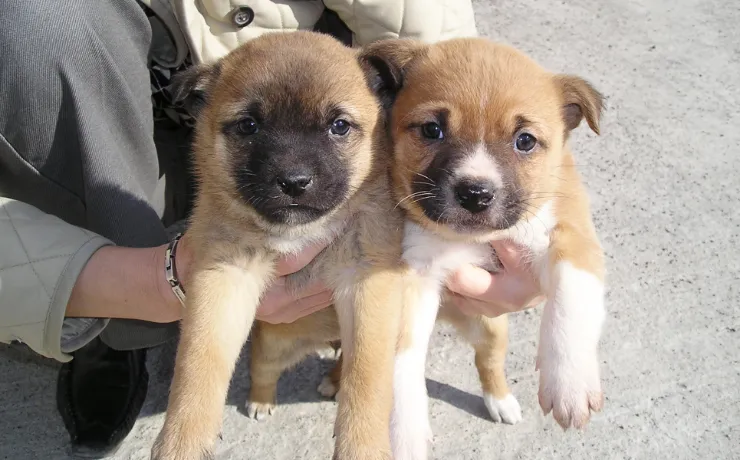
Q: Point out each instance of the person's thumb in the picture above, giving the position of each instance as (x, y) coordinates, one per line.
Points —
(508, 254)
(470, 281)
(292, 263)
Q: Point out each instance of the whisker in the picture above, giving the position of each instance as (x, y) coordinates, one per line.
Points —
(422, 199)
(412, 195)
(425, 177)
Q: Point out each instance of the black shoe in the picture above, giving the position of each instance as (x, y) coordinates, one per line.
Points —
(99, 396)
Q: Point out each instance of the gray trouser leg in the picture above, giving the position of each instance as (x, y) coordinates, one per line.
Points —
(76, 118)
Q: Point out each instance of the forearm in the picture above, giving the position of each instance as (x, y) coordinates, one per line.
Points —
(122, 282)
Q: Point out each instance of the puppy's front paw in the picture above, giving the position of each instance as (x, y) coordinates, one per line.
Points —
(259, 410)
(571, 392)
(327, 388)
(168, 448)
(329, 353)
(506, 410)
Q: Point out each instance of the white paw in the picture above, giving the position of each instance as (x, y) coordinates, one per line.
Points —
(506, 410)
(329, 353)
(259, 411)
(571, 392)
(327, 388)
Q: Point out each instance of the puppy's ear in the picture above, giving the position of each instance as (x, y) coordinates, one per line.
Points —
(385, 63)
(580, 100)
(190, 88)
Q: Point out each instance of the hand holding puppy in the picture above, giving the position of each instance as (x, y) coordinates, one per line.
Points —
(278, 304)
(514, 288)
(281, 306)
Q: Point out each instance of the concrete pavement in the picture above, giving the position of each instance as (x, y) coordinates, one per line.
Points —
(663, 178)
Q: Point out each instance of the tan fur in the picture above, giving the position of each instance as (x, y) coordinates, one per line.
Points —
(487, 90)
(236, 250)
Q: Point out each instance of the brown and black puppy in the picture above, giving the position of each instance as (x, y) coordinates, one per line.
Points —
(289, 150)
(480, 134)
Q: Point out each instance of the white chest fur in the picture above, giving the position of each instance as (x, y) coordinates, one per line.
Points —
(435, 257)
(295, 240)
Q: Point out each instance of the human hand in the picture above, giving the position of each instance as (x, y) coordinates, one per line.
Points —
(514, 288)
(281, 306)
(278, 304)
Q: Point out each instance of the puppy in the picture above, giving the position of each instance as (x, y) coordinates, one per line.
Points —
(289, 150)
(479, 134)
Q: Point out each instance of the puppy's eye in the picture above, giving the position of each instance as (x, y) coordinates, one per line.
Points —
(432, 130)
(248, 126)
(525, 142)
(339, 127)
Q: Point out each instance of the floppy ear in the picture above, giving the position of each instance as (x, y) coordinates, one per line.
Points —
(580, 100)
(190, 88)
(385, 63)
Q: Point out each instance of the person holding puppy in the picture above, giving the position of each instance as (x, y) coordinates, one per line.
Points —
(85, 192)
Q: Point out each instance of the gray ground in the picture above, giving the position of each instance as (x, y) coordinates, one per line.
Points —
(665, 196)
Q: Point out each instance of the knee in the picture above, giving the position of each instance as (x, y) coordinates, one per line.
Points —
(39, 36)
(34, 34)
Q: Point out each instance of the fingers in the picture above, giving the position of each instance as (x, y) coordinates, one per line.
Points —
(509, 255)
(471, 281)
(477, 284)
(473, 307)
(296, 309)
(281, 306)
(512, 289)
(278, 297)
(292, 263)
(308, 305)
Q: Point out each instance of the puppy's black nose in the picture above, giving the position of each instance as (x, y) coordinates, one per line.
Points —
(294, 184)
(474, 196)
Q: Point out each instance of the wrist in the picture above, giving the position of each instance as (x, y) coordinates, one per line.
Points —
(119, 282)
(158, 275)
(172, 262)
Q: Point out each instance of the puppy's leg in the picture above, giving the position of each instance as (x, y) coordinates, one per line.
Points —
(220, 309)
(329, 385)
(271, 354)
(489, 337)
(411, 431)
(276, 347)
(571, 326)
(369, 308)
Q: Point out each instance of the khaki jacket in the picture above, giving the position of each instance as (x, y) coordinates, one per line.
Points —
(41, 256)
(211, 28)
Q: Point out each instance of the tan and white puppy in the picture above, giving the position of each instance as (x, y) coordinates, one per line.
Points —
(289, 150)
(480, 145)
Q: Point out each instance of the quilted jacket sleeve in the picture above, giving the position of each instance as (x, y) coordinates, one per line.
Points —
(41, 257)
